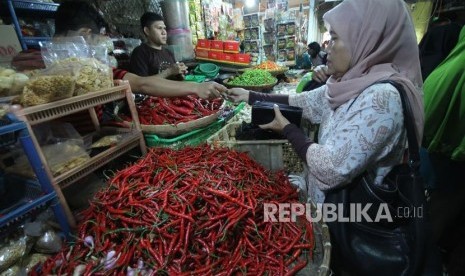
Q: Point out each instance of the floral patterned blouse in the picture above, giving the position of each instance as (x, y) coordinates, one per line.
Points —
(365, 133)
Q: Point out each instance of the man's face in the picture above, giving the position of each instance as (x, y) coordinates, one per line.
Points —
(156, 33)
(311, 52)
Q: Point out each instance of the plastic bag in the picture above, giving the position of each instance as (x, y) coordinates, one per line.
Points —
(11, 82)
(11, 251)
(12, 271)
(53, 132)
(61, 157)
(49, 85)
(90, 58)
(49, 242)
(92, 75)
(62, 48)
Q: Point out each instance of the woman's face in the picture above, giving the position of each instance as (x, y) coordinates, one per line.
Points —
(338, 56)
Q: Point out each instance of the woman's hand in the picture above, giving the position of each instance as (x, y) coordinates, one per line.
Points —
(237, 95)
(320, 73)
(278, 123)
(209, 90)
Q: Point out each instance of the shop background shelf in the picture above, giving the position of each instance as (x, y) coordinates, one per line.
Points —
(35, 6)
(28, 9)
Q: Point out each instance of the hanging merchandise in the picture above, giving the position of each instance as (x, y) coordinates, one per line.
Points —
(212, 12)
(286, 36)
(238, 21)
(196, 21)
(226, 29)
(252, 37)
(176, 15)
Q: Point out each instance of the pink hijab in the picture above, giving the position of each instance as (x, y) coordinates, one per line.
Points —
(380, 36)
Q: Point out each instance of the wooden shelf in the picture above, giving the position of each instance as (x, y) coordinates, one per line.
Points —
(133, 137)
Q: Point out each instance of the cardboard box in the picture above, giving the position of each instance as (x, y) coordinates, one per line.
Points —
(217, 45)
(203, 43)
(9, 44)
(231, 46)
(215, 55)
(202, 53)
(229, 57)
(242, 58)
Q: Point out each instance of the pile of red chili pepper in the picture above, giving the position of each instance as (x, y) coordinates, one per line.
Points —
(159, 111)
(195, 211)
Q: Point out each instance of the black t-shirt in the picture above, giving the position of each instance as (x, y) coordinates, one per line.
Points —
(146, 61)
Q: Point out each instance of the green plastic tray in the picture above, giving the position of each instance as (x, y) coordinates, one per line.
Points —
(192, 138)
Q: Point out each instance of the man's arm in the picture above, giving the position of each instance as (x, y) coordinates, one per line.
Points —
(156, 86)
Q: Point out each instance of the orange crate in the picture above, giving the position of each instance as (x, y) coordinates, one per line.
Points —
(217, 45)
(242, 58)
(202, 53)
(203, 43)
(231, 46)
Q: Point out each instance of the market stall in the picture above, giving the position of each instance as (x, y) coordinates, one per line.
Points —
(191, 203)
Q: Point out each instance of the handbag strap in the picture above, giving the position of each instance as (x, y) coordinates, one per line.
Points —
(414, 164)
(409, 122)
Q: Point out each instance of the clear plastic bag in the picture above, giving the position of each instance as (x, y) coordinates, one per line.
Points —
(12, 250)
(54, 132)
(49, 242)
(90, 58)
(11, 82)
(61, 157)
(49, 85)
(92, 75)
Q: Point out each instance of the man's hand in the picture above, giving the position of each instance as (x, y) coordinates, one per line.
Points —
(320, 73)
(278, 123)
(209, 90)
(237, 95)
(178, 68)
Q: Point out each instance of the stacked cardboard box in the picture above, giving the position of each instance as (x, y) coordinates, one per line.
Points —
(222, 51)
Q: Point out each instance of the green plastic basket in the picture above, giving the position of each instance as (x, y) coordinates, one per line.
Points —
(195, 78)
(207, 69)
(192, 138)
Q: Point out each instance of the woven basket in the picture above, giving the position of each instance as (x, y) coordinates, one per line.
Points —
(173, 130)
(259, 88)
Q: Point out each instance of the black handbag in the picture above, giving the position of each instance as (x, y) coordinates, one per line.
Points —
(384, 247)
(263, 113)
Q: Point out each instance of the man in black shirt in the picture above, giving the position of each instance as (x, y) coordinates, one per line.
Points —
(150, 58)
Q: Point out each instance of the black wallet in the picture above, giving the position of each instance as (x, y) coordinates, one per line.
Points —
(263, 113)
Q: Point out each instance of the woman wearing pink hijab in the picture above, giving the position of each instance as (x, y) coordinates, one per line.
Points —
(360, 117)
(361, 122)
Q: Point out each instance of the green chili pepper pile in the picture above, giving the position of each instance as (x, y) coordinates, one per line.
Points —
(253, 77)
(196, 211)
